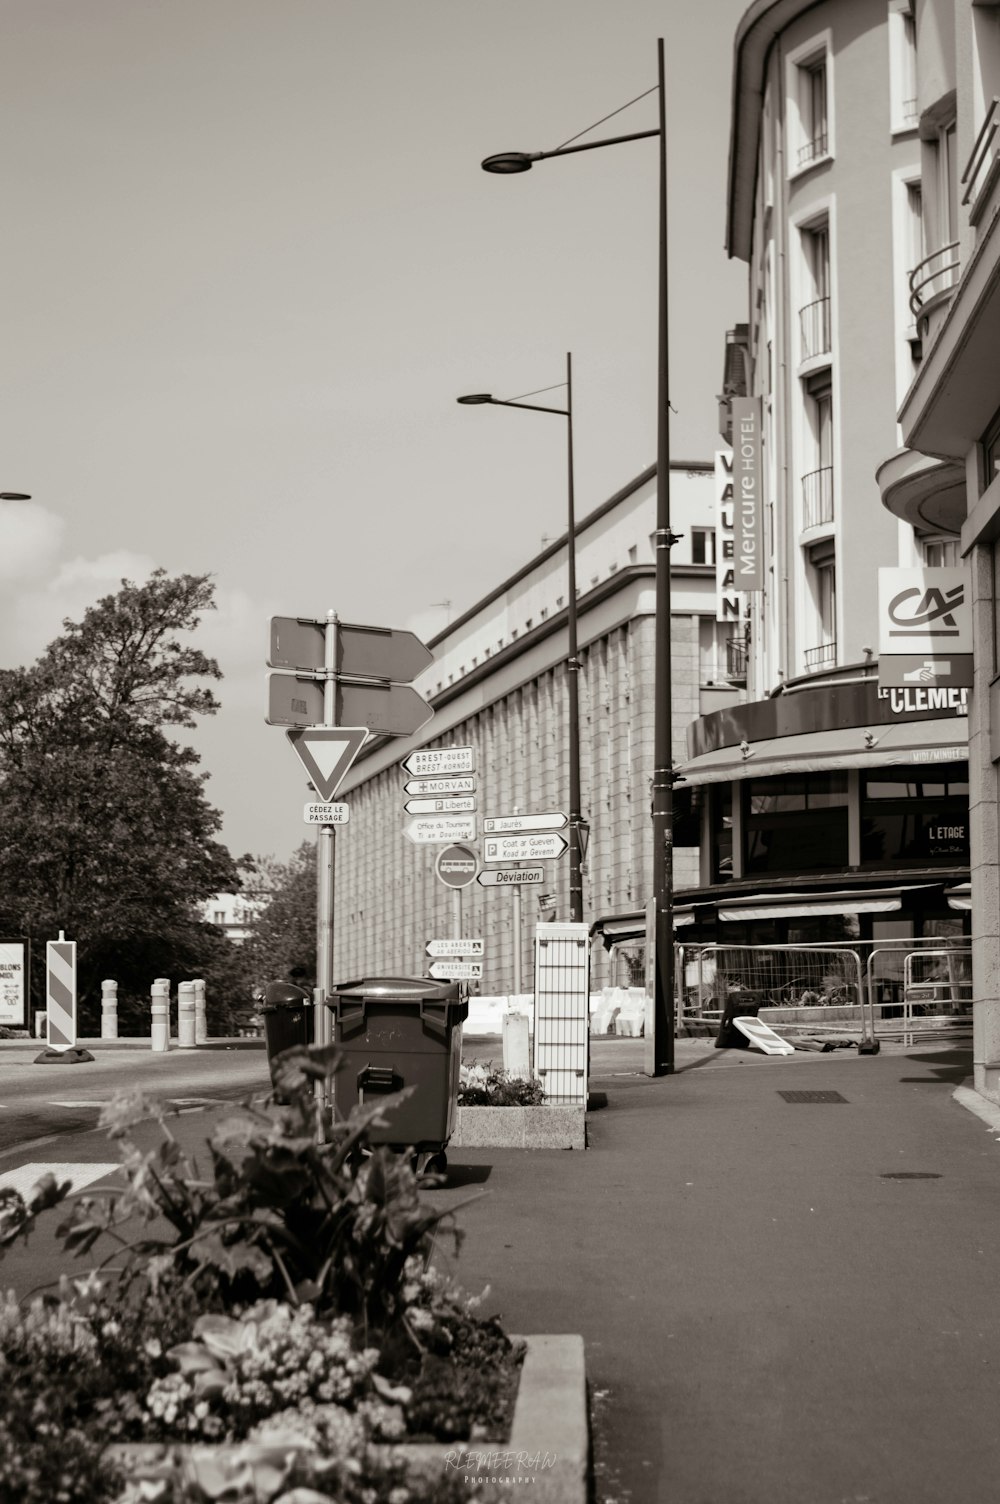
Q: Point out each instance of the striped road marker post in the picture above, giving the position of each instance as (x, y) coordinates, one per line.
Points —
(60, 1005)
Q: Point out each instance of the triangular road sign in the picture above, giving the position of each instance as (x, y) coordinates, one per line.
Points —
(326, 753)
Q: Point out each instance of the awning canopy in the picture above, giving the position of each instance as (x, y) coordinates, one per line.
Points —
(944, 739)
(960, 898)
(803, 905)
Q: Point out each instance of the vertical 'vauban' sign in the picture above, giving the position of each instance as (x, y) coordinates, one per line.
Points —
(727, 598)
(748, 509)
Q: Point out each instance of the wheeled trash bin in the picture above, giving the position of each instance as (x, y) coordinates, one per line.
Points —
(287, 1011)
(396, 1032)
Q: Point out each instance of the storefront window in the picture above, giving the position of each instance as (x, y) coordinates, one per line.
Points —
(722, 832)
(797, 823)
(912, 819)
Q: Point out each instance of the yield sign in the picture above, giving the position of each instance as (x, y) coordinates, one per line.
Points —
(326, 753)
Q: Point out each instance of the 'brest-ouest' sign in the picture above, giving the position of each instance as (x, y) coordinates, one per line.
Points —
(748, 506)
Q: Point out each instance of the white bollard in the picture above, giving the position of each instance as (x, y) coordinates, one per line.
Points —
(200, 1016)
(160, 1026)
(109, 1010)
(516, 1055)
(41, 1025)
(185, 1016)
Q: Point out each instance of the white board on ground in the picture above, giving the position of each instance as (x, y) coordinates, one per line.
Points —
(763, 1037)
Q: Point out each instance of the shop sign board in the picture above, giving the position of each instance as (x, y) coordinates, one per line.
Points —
(925, 628)
(13, 983)
(728, 606)
(748, 500)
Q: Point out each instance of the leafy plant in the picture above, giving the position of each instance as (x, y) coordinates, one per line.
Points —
(487, 1086)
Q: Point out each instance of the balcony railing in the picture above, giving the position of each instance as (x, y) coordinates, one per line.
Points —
(814, 321)
(813, 149)
(981, 155)
(825, 656)
(911, 114)
(736, 660)
(817, 497)
(934, 276)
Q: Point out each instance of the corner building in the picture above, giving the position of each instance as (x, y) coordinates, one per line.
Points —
(498, 685)
(947, 468)
(829, 809)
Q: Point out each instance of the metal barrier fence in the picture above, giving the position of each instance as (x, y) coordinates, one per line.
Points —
(904, 989)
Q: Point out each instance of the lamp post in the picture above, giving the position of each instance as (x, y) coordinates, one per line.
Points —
(572, 661)
(663, 774)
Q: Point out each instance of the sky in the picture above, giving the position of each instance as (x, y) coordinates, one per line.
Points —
(250, 262)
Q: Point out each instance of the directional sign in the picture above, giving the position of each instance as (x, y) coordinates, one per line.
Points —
(294, 701)
(326, 814)
(506, 877)
(456, 866)
(369, 652)
(428, 830)
(500, 824)
(439, 806)
(440, 760)
(326, 753)
(468, 947)
(440, 786)
(540, 848)
(392, 709)
(457, 971)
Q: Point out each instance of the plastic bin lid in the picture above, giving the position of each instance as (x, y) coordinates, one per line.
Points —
(400, 990)
(283, 995)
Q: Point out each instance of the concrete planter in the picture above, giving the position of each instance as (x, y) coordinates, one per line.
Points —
(539, 1127)
(548, 1448)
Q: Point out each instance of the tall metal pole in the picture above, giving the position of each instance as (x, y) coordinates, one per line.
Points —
(515, 894)
(663, 776)
(573, 673)
(325, 843)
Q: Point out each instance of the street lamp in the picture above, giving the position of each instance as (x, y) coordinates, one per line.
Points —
(476, 399)
(663, 773)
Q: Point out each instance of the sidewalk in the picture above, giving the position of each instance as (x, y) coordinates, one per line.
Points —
(768, 1318)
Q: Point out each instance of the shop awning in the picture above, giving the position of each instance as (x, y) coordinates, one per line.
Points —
(914, 742)
(804, 905)
(960, 898)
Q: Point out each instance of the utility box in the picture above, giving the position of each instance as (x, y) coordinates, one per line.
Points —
(396, 1032)
(562, 1012)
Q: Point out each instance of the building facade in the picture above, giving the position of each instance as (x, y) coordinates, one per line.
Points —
(945, 471)
(498, 685)
(830, 808)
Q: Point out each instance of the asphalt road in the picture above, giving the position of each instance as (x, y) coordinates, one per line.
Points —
(47, 1101)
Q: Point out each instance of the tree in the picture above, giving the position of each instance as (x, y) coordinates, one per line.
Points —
(282, 901)
(108, 834)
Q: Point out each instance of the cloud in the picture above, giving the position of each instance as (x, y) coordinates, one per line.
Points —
(29, 540)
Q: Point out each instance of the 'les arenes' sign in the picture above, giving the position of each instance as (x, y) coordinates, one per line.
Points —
(748, 506)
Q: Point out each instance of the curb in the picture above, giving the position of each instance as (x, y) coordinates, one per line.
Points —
(549, 1446)
(971, 1100)
(538, 1127)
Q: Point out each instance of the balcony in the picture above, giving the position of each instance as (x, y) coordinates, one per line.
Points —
(737, 652)
(983, 167)
(932, 282)
(814, 322)
(813, 150)
(825, 656)
(817, 497)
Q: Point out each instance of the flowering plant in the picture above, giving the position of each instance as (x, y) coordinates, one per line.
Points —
(488, 1086)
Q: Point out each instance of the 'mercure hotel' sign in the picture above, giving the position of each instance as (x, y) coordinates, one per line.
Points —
(748, 506)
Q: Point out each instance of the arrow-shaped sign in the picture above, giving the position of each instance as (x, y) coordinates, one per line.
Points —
(368, 652)
(495, 825)
(527, 848)
(508, 877)
(433, 761)
(326, 753)
(473, 946)
(455, 971)
(439, 806)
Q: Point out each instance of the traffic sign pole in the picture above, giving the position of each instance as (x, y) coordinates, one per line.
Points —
(326, 857)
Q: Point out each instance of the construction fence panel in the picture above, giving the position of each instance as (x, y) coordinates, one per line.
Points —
(562, 1005)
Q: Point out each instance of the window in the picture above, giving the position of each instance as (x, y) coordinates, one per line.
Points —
(809, 90)
(943, 208)
(817, 481)
(909, 818)
(721, 824)
(797, 823)
(938, 553)
(713, 637)
(902, 66)
(703, 545)
(814, 316)
(990, 448)
(813, 96)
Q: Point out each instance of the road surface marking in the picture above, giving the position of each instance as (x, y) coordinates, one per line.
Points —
(26, 1177)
